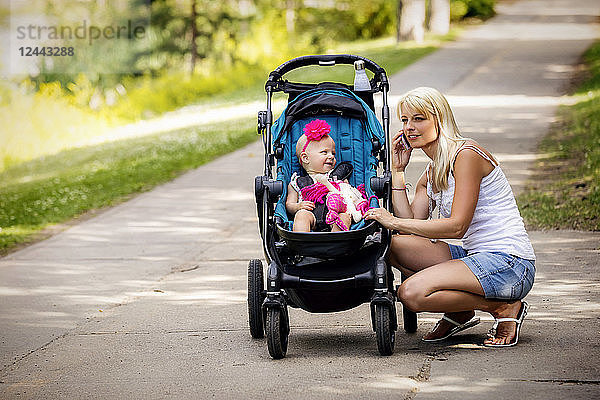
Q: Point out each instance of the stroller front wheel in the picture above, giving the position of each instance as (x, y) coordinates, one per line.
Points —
(277, 329)
(386, 336)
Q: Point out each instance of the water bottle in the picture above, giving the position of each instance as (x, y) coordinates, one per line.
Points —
(361, 81)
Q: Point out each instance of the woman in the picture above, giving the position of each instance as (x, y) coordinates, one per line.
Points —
(494, 269)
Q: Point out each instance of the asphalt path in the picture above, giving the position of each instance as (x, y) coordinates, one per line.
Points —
(148, 299)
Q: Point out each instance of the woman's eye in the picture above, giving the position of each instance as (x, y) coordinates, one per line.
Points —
(404, 120)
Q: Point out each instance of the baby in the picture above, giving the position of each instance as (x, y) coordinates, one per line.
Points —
(323, 200)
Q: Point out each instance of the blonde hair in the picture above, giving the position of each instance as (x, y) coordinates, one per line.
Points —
(433, 104)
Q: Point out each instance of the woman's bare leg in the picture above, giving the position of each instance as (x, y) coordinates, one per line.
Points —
(411, 254)
(451, 287)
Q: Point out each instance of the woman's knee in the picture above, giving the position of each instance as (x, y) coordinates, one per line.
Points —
(411, 294)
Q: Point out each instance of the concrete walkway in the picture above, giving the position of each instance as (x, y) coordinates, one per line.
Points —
(147, 300)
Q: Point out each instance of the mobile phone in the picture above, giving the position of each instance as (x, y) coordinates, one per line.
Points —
(404, 142)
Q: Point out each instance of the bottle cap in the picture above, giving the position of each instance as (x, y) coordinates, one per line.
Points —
(359, 64)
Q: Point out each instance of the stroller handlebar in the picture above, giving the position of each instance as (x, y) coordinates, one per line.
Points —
(327, 60)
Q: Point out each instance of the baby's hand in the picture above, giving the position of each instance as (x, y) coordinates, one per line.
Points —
(321, 178)
(306, 205)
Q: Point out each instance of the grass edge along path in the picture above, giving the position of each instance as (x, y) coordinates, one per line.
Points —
(564, 192)
(96, 177)
(41, 197)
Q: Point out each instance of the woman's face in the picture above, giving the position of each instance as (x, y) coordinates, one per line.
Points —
(420, 129)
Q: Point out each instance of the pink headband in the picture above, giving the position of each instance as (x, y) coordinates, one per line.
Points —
(315, 131)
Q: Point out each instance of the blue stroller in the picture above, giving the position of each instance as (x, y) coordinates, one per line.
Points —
(323, 271)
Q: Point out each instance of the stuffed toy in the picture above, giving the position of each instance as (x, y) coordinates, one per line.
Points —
(347, 199)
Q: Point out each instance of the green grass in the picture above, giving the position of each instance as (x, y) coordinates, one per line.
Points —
(57, 188)
(565, 192)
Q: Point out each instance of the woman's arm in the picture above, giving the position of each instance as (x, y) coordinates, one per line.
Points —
(401, 206)
(419, 208)
(468, 172)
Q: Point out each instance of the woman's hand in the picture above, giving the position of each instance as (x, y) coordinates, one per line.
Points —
(400, 152)
(382, 216)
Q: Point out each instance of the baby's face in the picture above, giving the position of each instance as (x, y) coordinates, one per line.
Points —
(319, 157)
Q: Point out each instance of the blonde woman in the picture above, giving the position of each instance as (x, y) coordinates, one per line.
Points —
(494, 268)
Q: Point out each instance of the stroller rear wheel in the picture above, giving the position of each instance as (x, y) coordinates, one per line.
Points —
(255, 298)
(410, 320)
(386, 336)
(277, 327)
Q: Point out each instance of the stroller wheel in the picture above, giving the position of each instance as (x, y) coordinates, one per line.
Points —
(255, 298)
(386, 336)
(410, 320)
(277, 327)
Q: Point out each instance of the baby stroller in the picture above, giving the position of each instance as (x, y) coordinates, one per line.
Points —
(323, 271)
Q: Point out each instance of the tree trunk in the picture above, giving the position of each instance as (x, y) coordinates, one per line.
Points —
(398, 19)
(439, 21)
(412, 20)
(290, 17)
(194, 47)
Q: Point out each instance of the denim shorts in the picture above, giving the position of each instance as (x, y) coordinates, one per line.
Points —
(502, 276)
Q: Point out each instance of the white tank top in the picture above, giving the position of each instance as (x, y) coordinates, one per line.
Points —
(497, 224)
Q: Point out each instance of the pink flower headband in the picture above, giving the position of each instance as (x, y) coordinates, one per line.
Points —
(315, 131)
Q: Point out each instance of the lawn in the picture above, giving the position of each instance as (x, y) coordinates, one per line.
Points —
(565, 191)
(57, 188)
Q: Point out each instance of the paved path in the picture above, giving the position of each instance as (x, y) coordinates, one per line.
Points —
(147, 300)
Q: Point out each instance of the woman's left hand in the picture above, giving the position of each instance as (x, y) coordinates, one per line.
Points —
(382, 216)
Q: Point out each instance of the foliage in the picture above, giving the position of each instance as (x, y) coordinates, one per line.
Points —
(350, 20)
(147, 97)
(105, 61)
(220, 26)
(42, 122)
(460, 9)
(238, 42)
(565, 193)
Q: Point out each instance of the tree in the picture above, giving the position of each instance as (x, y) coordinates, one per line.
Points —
(194, 47)
(439, 20)
(411, 20)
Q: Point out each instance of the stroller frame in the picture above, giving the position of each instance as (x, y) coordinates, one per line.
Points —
(297, 274)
